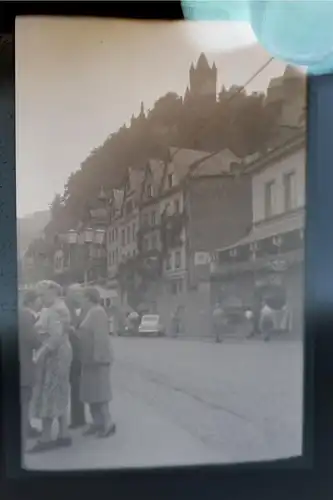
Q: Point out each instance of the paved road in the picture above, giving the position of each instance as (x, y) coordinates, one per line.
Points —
(182, 402)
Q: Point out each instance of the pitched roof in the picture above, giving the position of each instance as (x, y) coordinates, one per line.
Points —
(183, 159)
(295, 142)
(215, 165)
(189, 162)
(157, 169)
(133, 182)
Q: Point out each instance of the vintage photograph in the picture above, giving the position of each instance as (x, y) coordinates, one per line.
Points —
(160, 219)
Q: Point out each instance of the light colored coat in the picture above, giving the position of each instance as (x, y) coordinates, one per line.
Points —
(53, 361)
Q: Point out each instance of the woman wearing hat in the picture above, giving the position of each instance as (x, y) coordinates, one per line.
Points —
(53, 360)
(96, 359)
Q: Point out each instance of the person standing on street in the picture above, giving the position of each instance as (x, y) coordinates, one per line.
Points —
(74, 304)
(256, 311)
(53, 359)
(218, 322)
(177, 321)
(28, 342)
(267, 321)
(96, 358)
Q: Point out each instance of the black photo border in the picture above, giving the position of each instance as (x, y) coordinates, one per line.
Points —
(308, 475)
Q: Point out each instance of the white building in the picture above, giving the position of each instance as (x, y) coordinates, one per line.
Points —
(273, 251)
(278, 187)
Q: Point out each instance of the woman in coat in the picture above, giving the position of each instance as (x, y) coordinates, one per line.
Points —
(96, 359)
(53, 360)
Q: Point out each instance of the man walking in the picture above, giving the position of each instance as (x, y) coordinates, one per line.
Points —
(74, 304)
(28, 342)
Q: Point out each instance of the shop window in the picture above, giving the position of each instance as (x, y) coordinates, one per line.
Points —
(269, 199)
(178, 259)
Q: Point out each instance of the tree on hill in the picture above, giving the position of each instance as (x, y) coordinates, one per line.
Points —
(238, 121)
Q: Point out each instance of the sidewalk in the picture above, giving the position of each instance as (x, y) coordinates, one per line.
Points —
(144, 438)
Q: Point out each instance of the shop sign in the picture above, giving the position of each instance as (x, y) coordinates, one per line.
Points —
(278, 265)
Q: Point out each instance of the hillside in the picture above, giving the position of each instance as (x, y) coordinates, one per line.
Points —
(29, 228)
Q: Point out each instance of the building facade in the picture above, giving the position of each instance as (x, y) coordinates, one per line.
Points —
(272, 254)
(198, 199)
(113, 241)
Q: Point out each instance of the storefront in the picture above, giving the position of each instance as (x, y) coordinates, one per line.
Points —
(271, 267)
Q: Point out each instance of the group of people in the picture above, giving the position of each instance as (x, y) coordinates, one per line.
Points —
(65, 363)
(269, 314)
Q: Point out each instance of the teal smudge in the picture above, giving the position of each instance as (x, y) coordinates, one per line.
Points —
(297, 31)
(214, 10)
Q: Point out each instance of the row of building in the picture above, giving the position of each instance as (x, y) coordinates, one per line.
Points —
(194, 229)
(198, 227)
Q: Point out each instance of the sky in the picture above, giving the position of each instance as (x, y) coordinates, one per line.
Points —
(79, 80)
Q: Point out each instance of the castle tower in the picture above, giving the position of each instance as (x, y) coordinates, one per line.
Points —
(203, 79)
(142, 111)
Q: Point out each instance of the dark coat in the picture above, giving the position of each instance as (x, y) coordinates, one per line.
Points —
(28, 341)
(95, 337)
(76, 320)
(96, 357)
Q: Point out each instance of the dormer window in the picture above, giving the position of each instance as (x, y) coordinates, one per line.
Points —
(170, 181)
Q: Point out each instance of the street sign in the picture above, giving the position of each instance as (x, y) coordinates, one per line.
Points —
(202, 258)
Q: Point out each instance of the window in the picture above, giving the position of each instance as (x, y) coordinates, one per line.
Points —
(153, 218)
(153, 241)
(149, 191)
(170, 181)
(178, 258)
(115, 234)
(269, 193)
(116, 256)
(177, 207)
(128, 234)
(290, 201)
(123, 238)
(134, 231)
(110, 235)
(129, 207)
(145, 220)
(168, 262)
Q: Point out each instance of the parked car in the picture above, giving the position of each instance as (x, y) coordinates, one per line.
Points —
(151, 325)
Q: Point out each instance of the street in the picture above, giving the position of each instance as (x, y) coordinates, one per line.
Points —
(183, 402)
